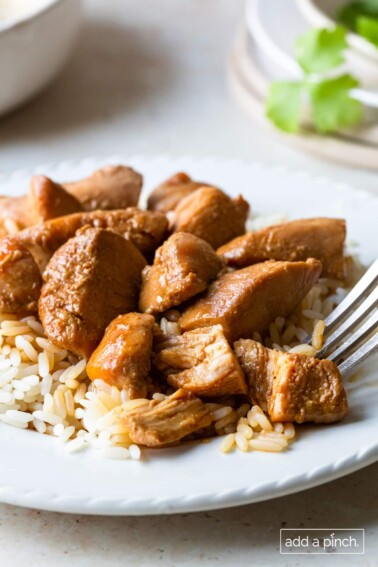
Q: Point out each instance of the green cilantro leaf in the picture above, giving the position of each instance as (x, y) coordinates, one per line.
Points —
(283, 105)
(320, 50)
(350, 13)
(367, 27)
(332, 105)
(330, 99)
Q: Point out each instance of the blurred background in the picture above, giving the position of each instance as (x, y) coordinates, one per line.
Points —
(148, 77)
(153, 77)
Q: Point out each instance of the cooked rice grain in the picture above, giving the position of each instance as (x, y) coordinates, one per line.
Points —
(318, 335)
(45, 388)
(266, 445)
(241, 442)
(227, 443)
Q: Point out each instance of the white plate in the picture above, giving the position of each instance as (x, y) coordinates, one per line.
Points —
(36, 472)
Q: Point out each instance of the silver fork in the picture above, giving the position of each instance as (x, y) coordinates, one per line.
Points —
(351, 329)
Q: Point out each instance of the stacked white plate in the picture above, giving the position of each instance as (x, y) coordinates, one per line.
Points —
(263, 52)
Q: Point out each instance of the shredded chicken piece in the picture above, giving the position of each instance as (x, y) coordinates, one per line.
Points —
(165, 422)
(202, 362)
(292, 387)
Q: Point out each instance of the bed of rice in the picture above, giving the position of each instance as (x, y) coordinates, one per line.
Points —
(45, 388)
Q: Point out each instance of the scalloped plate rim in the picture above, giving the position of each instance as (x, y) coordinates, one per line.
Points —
(205, 500)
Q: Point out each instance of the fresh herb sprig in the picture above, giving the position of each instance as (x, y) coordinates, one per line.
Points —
(361, 17)
(368, 28)
(317, 52)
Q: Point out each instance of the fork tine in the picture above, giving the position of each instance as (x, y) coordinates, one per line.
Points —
(355, 340)
(366, 350)
(354, 297)
(353, 320)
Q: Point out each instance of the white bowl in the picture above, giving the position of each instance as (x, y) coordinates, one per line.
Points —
(265, 19)
(321, 13)
(259, 70)
(34, 48)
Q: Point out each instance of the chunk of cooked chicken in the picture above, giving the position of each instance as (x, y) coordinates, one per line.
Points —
(292, 387)
(45, 200)
(144, 229)
(20, 278)
(248, 300)
(123, 357)
(211, 215)
(183, 267)
(165, 422)
(111, 187)
(91, 279)
(320, 238)
(17, 209)
(167, 196)
(202, 362)
(49, 200)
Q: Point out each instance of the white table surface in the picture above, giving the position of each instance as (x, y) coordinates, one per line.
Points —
(150, 77)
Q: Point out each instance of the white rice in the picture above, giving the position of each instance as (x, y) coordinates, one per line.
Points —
(287, 335)
(44, 388)
(41, 389)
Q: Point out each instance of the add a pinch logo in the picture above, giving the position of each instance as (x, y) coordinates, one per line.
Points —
(320, 541)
